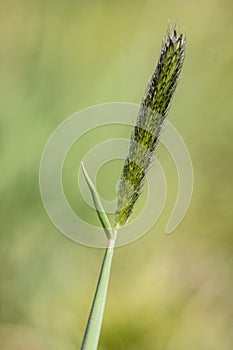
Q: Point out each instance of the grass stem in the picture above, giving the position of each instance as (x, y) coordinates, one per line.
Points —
(92, 332)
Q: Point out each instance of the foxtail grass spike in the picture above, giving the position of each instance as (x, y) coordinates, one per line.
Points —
(151, 115)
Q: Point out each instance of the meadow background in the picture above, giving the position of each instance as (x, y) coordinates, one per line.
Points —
(166, 292)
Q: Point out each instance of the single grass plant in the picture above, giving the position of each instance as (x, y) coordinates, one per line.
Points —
(144, 139)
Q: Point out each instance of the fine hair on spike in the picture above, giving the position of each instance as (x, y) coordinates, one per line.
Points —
(151, 115)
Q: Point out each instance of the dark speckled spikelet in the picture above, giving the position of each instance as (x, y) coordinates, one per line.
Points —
(151, 115)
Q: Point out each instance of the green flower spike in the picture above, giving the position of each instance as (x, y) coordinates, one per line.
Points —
(152, 112)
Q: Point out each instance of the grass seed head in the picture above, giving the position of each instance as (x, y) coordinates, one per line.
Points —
(152, 112)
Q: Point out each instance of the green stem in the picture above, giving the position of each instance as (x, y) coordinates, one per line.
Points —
(92, 332)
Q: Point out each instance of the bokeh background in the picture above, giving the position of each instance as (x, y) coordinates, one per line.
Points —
(166, 292)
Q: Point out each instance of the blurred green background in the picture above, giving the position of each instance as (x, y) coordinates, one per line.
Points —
(166, 292)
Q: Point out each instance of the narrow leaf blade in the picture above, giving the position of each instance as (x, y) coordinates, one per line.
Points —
(98, 205)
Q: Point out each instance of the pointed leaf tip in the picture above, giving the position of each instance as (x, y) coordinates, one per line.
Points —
(98, 205)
